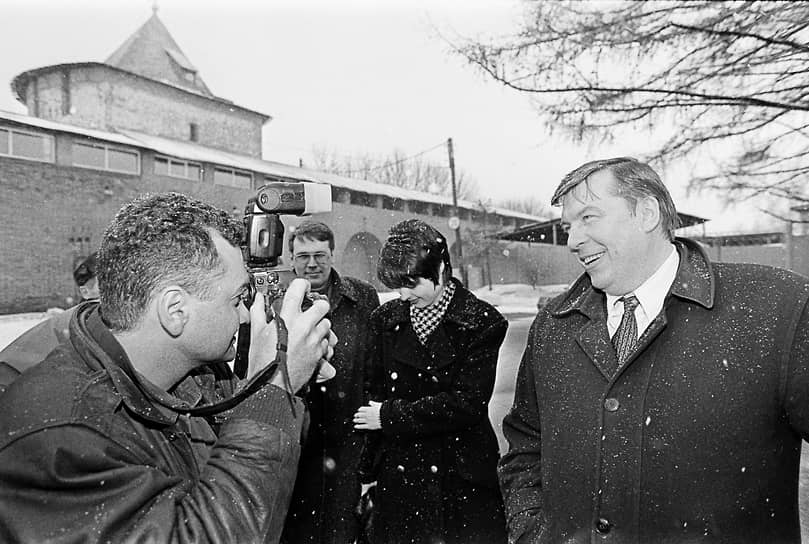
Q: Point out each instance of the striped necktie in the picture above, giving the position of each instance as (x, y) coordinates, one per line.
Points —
(625, 339)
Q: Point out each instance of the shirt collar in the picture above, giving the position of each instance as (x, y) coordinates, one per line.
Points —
(653, 291)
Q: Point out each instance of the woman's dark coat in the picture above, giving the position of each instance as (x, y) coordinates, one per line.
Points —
(436, 455)
(697, 438)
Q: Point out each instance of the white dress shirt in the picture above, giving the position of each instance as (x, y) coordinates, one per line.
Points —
(651, 294)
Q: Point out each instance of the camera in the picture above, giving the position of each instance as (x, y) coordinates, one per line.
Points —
(264, 233)
(263, 245)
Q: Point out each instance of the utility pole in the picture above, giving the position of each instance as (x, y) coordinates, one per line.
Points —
(457, 229)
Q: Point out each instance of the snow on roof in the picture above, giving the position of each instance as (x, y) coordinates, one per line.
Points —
(61, 127)
(195, 152)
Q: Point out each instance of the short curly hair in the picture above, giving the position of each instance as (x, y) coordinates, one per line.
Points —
(158, 240)
(413, 250)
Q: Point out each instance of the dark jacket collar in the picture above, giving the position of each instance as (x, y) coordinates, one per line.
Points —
(694, 281)
(101, 351)
(459, 311)
(340, 288)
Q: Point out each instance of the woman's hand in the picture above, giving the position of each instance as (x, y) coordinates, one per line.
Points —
(367, 417)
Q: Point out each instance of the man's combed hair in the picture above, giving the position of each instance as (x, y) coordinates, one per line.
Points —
(413, 250)
(159, 240)
(312, 230)
(634, 180)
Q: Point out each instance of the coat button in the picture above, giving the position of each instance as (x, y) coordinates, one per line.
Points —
(611, 405)
(603, 525)
(393, 375)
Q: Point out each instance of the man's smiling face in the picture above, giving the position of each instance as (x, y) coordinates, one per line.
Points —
(605, 234)
(312, 260)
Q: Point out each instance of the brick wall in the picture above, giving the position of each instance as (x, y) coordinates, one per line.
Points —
(104, 98)
(54, 214)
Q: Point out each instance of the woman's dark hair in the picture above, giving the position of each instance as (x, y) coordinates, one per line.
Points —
(413, 250)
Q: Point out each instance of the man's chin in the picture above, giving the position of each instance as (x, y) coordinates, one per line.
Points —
(229, 356)
(317, 282)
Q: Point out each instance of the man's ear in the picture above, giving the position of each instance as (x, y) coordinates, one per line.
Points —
(648, 211)
(173, 309)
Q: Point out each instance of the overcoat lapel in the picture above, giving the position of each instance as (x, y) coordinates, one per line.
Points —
(438, 353)
(593, 337)
(441, 347)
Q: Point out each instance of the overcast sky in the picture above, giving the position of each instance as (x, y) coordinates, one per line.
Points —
(354, 76)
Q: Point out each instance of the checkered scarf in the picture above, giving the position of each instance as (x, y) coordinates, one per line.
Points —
(426, 320)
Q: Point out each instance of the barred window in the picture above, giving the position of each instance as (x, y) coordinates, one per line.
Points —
(177, 168)
(105, 157)
(24, 144)
(232, 178)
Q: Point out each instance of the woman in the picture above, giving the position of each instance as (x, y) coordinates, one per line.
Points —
(430, 446)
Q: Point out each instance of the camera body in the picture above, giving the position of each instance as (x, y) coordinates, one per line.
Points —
(264, 232)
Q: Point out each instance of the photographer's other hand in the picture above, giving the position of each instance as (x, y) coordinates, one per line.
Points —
(263, 337)
(367, 417)
(310, 338)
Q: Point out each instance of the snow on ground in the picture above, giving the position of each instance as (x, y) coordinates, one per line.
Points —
(13, 325)
(509, 299)
(518, 298)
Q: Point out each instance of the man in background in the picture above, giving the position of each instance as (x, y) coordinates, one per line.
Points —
(327, 488)
(86, 277)
(34, 344)
(664, 397)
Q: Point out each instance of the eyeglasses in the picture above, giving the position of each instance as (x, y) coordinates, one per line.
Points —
(303, 258)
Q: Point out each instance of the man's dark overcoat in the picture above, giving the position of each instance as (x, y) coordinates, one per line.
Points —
(435, 458)
(327, 487)
(697, 437)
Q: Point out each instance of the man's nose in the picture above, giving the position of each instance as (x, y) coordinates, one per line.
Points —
(575, 237)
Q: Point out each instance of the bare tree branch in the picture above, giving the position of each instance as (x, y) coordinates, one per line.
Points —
(720, 75)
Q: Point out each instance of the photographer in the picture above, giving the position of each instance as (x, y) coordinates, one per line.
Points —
(108, 439)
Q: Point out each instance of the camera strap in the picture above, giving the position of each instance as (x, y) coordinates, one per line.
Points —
(254, 384)
(258, 381)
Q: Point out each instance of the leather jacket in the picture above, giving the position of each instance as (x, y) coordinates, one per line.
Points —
(86, 456)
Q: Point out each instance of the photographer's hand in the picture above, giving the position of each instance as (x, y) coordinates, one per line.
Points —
(309, 336)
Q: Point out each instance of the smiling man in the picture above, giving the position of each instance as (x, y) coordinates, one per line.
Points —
(119, 435)
(663, 398)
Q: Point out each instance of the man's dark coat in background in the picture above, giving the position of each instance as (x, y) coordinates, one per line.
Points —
(327, 488)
